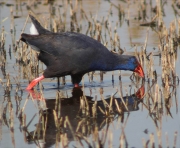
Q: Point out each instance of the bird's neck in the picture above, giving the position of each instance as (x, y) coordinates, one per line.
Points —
(114, 62)
(123, 62)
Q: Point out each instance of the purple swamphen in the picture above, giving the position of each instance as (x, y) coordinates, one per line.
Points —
(72, 53)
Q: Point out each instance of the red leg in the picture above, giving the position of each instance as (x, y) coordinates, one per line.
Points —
(34, 82)
(76, 85)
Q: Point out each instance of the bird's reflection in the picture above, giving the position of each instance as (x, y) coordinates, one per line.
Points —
(71, 109)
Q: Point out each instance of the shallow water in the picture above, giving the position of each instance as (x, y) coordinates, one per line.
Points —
(130, 129)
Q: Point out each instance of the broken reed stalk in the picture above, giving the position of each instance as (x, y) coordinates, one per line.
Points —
(80, 124)
(11, 115)
(24, 121)
(38, 126)
(159, 131)
(111, 103)
(57, 120)
(175, 139)
(66, 122)
(85, 15)
(146, 40)
(22, 110)
(12, 25)
(104, 135)
(155, 97)
(159, 13)
(94, 108)
(1, 120)
(24, 26)
(80, 136)
(117, 107)
(64, 140)
(144, 143)
(8, 86)
(95, 137)
(44, 123)
(58, 104)
(31, 120)
(152, 141)
(107, 107)
(110, 139)
(122, 139)
(123, 101)
(17, 84)
(102, 110)
(2, 38)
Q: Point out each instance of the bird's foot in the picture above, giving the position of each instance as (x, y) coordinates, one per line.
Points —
(34, 82)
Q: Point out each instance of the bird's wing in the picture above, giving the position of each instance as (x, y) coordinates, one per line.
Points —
(57, 44)
(81, 51)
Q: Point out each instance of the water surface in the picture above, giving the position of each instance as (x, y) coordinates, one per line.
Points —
(147, 122)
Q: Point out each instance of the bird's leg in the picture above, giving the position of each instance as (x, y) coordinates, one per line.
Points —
(76, 79)
(58, 81)
(76, 85)
(34, 82)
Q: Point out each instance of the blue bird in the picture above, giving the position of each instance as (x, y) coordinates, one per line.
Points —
(75, 54)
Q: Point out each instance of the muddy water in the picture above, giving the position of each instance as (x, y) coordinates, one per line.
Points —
(145, 122)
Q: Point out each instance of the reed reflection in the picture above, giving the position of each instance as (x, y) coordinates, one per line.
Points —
(76, 117)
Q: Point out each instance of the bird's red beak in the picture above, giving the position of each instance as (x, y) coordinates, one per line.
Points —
(139, 70)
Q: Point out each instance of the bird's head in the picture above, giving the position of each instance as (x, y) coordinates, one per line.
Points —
(128, 62)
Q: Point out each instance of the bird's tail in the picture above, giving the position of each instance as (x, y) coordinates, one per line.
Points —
(30, 39)
(39, 28)
(25, 37)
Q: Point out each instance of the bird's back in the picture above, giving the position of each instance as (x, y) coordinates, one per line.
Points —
(60, 43)
(78, 51)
